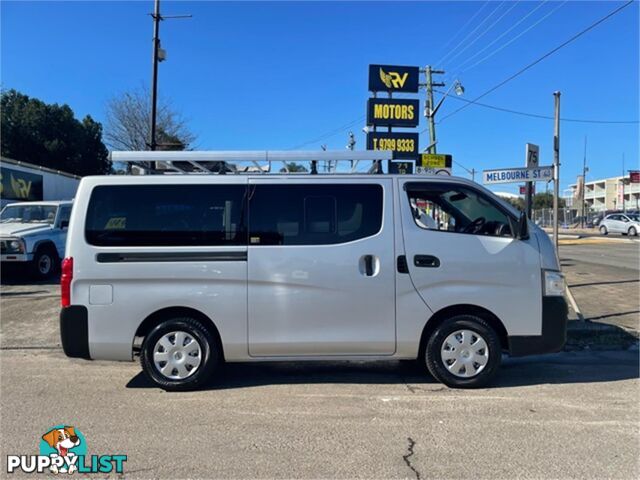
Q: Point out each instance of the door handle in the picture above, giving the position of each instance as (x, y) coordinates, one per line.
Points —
(428, 261)
(368, 265)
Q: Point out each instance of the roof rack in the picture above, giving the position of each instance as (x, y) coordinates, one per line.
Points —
(248, 161)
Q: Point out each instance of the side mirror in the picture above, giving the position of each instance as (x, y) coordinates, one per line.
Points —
(523, 227)
(64, 224)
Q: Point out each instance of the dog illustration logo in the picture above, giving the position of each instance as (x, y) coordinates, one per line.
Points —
(66, 442)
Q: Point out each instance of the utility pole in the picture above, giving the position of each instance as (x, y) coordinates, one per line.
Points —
(154, 77)
(624, 204)
(428, 108)
(556, 167)
(584, 184)
(156, 58)
(473, 174)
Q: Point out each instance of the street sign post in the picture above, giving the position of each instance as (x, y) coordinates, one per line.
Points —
(532, 156)
(517, 175)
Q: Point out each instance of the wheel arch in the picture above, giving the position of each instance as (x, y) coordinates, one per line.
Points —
(462, 309)
(45, 243)
(154, 319)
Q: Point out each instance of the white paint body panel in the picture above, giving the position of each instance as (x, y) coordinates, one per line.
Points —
(317, 300)
(307, 302)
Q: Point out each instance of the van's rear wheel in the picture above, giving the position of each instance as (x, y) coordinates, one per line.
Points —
(463, 352)
(179, 354)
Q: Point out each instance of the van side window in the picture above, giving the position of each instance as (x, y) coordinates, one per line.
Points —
(313, 214)
(458, 209)
(166, 215)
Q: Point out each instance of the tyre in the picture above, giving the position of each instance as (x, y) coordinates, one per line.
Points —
(603, 230)
(45, 262)
(463, 352)
(179, 354)
(633, 232)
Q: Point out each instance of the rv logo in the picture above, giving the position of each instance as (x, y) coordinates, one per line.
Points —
(393, 79)
(63, 449)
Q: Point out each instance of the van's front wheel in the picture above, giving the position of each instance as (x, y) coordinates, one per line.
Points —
(463, 352)
(179, 354)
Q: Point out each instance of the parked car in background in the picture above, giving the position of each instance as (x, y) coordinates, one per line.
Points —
(624, 223)
(34, 234)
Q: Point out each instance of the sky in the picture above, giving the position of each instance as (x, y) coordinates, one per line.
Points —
(277, 75)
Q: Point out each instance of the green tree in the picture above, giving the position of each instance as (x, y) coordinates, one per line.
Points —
(294, 167)
(49, 135)
(545, 200)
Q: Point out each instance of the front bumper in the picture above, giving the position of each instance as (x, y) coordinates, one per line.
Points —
(554, 331)
(74, 331)
(16, 257)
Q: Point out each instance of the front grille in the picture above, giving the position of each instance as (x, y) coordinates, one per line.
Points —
(4, 246)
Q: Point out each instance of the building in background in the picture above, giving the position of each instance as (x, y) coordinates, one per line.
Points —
(25, 182)
(607, 194)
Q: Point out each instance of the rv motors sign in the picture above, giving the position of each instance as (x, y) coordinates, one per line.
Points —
(402, 144)
(389, 112)
(18, 185)
(393, 78)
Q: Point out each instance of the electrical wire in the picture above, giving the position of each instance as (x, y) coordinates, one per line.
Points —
(439, 62)
(486, 30)
(505, 45)
(466, 24)
(535, 115)
(515, 25)
(535, 62)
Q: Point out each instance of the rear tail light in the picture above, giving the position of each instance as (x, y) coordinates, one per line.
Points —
(65, 281)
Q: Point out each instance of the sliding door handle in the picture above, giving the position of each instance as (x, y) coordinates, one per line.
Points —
(428, 261)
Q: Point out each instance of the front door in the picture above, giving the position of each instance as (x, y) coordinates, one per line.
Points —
(461, 251)
(321, 267)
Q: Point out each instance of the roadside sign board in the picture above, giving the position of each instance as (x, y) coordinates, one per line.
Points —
(435, 164)
(393, 78)
(19, 185)
(517, 175)
(391, 112)
(523, 189)
(400, 168)
(533, 155)
(404, 145)
(634, 176)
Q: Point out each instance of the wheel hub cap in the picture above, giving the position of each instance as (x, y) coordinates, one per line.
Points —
(177, 355)
(464, 353)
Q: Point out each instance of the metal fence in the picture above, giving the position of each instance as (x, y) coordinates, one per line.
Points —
(567, 218)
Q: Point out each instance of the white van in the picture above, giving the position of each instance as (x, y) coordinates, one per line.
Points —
(188, 271)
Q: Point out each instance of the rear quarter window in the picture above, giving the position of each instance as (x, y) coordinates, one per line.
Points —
(166, 215)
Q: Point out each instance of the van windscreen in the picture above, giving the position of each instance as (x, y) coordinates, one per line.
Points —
(166, 215)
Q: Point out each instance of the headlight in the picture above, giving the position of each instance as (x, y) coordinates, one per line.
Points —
(553, 284)
(14, 246)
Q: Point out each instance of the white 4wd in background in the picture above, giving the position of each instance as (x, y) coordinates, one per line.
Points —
(33, 234)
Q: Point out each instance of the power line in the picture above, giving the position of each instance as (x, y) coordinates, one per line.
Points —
(439, 62)
(535, 62)
(535, 115)
(467, 23)
(514, 5)
(515, 25)
(505, 45)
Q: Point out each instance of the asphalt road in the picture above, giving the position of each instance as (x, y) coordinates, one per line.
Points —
(619, 255)
(573, 415)
(570, 415)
